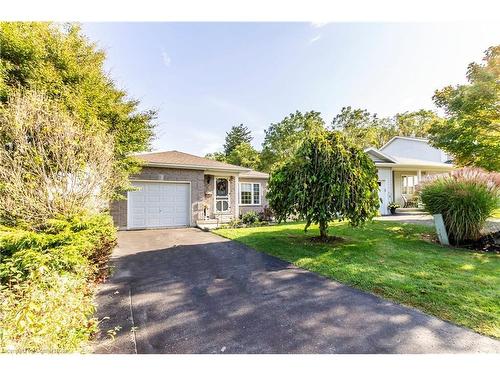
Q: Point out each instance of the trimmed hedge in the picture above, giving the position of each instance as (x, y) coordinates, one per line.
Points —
(47, 280)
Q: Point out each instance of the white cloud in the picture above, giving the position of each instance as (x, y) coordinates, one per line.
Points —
(318, 25)
(315, 39)
(166, 58)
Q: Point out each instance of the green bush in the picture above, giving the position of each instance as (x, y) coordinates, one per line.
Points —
(47, 283)
(465, 198)
(249, 217)
(266, 215)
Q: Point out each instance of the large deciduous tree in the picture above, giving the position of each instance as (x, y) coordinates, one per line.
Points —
(415, 124)
(328, 178)
(283, 138)
(244, 155)
(369, 130)
(364, 128)
(61, 62)
(471, 132)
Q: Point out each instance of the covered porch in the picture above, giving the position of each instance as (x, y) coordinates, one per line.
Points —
(406, 181)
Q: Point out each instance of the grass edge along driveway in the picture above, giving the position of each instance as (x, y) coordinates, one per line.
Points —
(393, 260)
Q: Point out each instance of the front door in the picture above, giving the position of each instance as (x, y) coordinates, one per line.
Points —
(382, 194)
(221, 195)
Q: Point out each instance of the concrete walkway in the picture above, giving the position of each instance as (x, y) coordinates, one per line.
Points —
(423, 218)
(188, 291)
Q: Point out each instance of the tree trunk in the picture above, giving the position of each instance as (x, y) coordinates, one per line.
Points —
(323, 230)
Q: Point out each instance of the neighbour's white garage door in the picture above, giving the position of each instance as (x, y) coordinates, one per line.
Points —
(159, 204)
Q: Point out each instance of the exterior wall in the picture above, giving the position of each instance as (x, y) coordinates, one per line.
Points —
(263, 200)
(407, 148)
(202, 193)
(118, 209)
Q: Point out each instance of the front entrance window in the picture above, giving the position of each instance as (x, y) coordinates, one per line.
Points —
(222, 187)
(221, 195)
(408, 184)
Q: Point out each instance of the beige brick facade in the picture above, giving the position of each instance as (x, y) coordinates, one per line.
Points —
(263, 200)
(118, 209)
(202, 193)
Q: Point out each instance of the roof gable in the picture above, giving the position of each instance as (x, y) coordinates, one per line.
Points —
(379, 157)
(413, 139)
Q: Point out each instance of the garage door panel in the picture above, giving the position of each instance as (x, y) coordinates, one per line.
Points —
(159, 204)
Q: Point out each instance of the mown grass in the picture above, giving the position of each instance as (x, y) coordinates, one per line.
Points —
(394, 261)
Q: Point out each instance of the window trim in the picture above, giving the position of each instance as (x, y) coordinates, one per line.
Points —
(253, 194)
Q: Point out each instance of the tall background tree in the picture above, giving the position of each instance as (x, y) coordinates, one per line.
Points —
(363, 127)
(63, 64)
(283, 138)
(415, 124)
(237, 149)
(471, 132)
(235, 136)
(328, 178)
(369, 130)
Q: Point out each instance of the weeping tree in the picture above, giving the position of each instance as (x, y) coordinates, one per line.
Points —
(328, 178)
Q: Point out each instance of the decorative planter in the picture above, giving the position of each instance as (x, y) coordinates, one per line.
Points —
(393, 210)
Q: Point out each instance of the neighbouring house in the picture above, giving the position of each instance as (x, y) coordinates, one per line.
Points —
(401, 164)
(177, 189)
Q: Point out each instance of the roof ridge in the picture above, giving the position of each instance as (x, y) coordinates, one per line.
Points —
(202, 161)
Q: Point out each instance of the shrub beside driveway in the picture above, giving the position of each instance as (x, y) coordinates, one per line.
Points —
(394, 261)
(47, 281)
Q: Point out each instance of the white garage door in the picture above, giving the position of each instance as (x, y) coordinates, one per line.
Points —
(158, 204)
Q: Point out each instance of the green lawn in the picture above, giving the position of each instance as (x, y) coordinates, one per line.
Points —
(496, 213)
(392, 260)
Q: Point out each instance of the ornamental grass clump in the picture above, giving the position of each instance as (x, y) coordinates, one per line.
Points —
(465, 198)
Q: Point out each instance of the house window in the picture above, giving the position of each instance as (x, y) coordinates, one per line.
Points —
(408, 184)
(249, 193)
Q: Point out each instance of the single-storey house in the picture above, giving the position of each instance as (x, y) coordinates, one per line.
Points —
(401, 164)
(176, 189)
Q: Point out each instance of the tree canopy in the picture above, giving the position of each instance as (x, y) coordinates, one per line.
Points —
(363, 127)
(237, 149)
(283, 138)
(471, 132)
(328, 178)
(235, 136)
(369, 130)
(244, 155)
(63, 64)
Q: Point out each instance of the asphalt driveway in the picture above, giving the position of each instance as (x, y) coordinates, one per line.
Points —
(189, 291)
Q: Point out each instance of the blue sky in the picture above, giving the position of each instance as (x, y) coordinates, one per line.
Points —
(205, 77)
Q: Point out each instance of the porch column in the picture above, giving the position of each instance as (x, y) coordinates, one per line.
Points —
(419, 176)
(237, 198)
